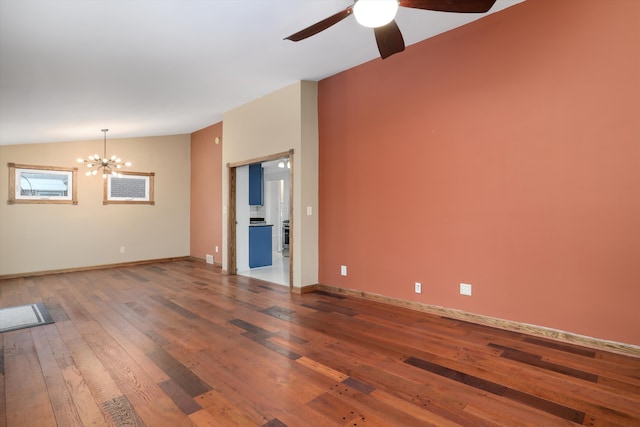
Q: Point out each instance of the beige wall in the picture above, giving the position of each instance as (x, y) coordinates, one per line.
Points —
(47, 237)
(278, 122)
(307, 194)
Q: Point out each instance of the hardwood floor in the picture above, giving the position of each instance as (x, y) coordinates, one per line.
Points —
(179, 344)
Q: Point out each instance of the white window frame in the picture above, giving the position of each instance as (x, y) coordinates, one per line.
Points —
(15, 180)
(149, 188)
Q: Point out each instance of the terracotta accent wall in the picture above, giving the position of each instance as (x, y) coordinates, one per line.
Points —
(504, 154)
(206, 193)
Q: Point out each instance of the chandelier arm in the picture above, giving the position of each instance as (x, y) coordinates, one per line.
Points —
(107, 165)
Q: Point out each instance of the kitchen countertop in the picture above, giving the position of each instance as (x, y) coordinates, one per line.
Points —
(260, 225)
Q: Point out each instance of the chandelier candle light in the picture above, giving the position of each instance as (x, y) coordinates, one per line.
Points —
(108, 165)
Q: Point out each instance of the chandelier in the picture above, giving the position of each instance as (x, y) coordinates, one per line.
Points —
(108, 165)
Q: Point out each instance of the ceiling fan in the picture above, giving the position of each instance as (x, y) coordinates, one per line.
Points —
(380, 14)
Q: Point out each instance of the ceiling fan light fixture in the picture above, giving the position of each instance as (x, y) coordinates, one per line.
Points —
(375, 13)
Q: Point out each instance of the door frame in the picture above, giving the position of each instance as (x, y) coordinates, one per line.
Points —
(231, 223)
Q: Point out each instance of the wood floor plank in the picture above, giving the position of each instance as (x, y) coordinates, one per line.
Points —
(570, 355)
(83, 401)
(425, 417)
(350, 407)
(191, 383)
(566, 391)
(277, 373)
(322, 369)
(182, 399)
(88, 376)
(121, 412)
(220, 410)
(131, 379)
(509, 413)
(449, 404)
(133, 341)
(61, 398)
(246, 398)
(27, 398)
(180, 343)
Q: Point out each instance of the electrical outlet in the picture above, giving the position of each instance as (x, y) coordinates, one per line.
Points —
(418, 288)
(121, 249)
(343, 270)
(465, 289)
(209, 259)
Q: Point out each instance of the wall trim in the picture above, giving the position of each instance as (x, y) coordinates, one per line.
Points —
(94, 267)
(525, 328)
(509, 325)
(305, 289)
(198, 259)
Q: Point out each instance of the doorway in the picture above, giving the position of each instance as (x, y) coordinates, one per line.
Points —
(275, 185)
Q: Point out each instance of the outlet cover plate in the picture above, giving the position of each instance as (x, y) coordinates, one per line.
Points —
(209, 259)
(343, 270)
(418, 288)
(465, 289)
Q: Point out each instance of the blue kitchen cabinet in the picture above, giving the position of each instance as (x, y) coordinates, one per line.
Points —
(260, 245)
(256, 184)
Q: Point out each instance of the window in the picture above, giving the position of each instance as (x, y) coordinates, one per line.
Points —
(42, 184)
(129, 187)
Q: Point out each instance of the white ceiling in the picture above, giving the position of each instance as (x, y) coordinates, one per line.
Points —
(69, 68)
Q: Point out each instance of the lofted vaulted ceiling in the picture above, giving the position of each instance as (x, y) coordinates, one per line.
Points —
(69, 68)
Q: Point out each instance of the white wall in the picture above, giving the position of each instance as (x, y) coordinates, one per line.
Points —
(242, 219)
(274, 201)
(286, 119)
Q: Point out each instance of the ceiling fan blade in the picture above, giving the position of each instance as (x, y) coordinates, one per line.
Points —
(461, 6)
(320, 26)
(389, 39)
